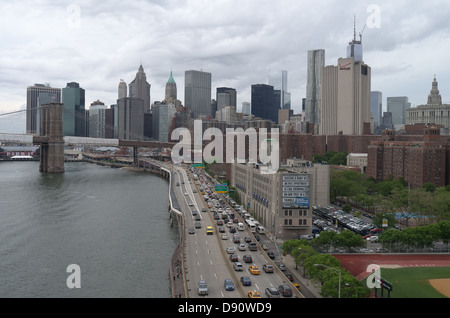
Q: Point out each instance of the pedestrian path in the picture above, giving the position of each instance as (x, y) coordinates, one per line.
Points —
(308, 288)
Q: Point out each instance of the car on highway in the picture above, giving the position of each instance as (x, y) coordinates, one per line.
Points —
(230, 250)
(290, 277)
(194, 212)
(271, 255)
(254, 294)
(242, 247)
(228, 284)
(221, 229)
(268, 268)
(202, 287)
(252, 246)
(254, 270)
(191, 204)
(198, 225)
(285, 290)
(246, 281)
(281, 267)
(234, 258)
(191, 231)
(238, 267)
(224, 236)
(247, 259)
(209, 230)
(236, 239)
(272, 292)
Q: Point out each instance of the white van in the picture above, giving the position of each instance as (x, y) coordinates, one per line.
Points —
(260, 229)
(240, 226)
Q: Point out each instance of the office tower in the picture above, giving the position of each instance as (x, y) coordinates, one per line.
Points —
(398, 106)
(279, 82)
(434, 112)
(345, 95)
(226, 96)
(246, 108)
(115, 118)
(75, 121)
(315, 65)
(162, 115)
(386, 121)
(171, 89)
(197, 93)
(97, 119)
(376, 109)
(33, 93)
(262, 102)
(140, 88)
(354, 48)
(123, 90)
(131, 118)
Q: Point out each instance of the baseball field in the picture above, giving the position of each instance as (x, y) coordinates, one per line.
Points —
(411, 276)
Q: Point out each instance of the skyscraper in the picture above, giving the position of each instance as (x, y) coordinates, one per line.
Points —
(398, 106)
(226, 96)
(279, 82)
(345, 101)
(315, 65)
(263, 102)
(376, 109)
(171, 89)
(140, 88)
(123, 90)
(131, 118)
(75, 122)
(197, 93)
(33, 93)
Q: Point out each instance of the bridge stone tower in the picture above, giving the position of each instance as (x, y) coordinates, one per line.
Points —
(51, 139)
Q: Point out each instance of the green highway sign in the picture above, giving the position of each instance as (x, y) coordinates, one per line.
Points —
(221, 188)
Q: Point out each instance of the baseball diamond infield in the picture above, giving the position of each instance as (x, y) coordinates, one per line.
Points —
(357, 264)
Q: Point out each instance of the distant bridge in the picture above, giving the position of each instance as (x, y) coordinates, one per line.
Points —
(71, 140)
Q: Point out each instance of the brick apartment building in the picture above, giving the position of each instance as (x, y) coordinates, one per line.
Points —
(418, 160)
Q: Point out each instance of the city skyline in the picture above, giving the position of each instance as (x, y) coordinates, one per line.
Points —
(74, 41)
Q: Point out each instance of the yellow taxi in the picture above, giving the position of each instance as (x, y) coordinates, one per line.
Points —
(254, 270)
(254, 294)
(296, 286)
(209, 230)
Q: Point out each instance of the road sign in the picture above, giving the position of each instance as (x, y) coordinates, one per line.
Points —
(221, 188)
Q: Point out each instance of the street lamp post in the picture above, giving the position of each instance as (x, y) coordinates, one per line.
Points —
(339, 272)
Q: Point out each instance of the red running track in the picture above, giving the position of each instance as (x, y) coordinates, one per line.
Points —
(357, 264)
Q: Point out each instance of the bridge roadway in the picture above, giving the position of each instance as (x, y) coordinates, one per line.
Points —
(205, 255)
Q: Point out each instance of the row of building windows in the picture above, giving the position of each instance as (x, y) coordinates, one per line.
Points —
(301, 222)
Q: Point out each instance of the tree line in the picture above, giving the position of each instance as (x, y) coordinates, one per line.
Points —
(426, 204)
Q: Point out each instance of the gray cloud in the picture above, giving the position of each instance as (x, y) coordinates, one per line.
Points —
(239, 42)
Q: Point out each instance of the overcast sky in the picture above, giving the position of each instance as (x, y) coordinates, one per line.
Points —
(241, 42)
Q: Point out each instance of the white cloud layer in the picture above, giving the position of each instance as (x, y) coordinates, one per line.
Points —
(97, 43)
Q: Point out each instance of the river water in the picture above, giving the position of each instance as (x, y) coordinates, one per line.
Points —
(112, 223)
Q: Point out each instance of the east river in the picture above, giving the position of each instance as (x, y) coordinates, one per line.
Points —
(110, 223)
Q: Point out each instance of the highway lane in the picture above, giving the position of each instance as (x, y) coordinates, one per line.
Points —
(205, 255)
(204, 261)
